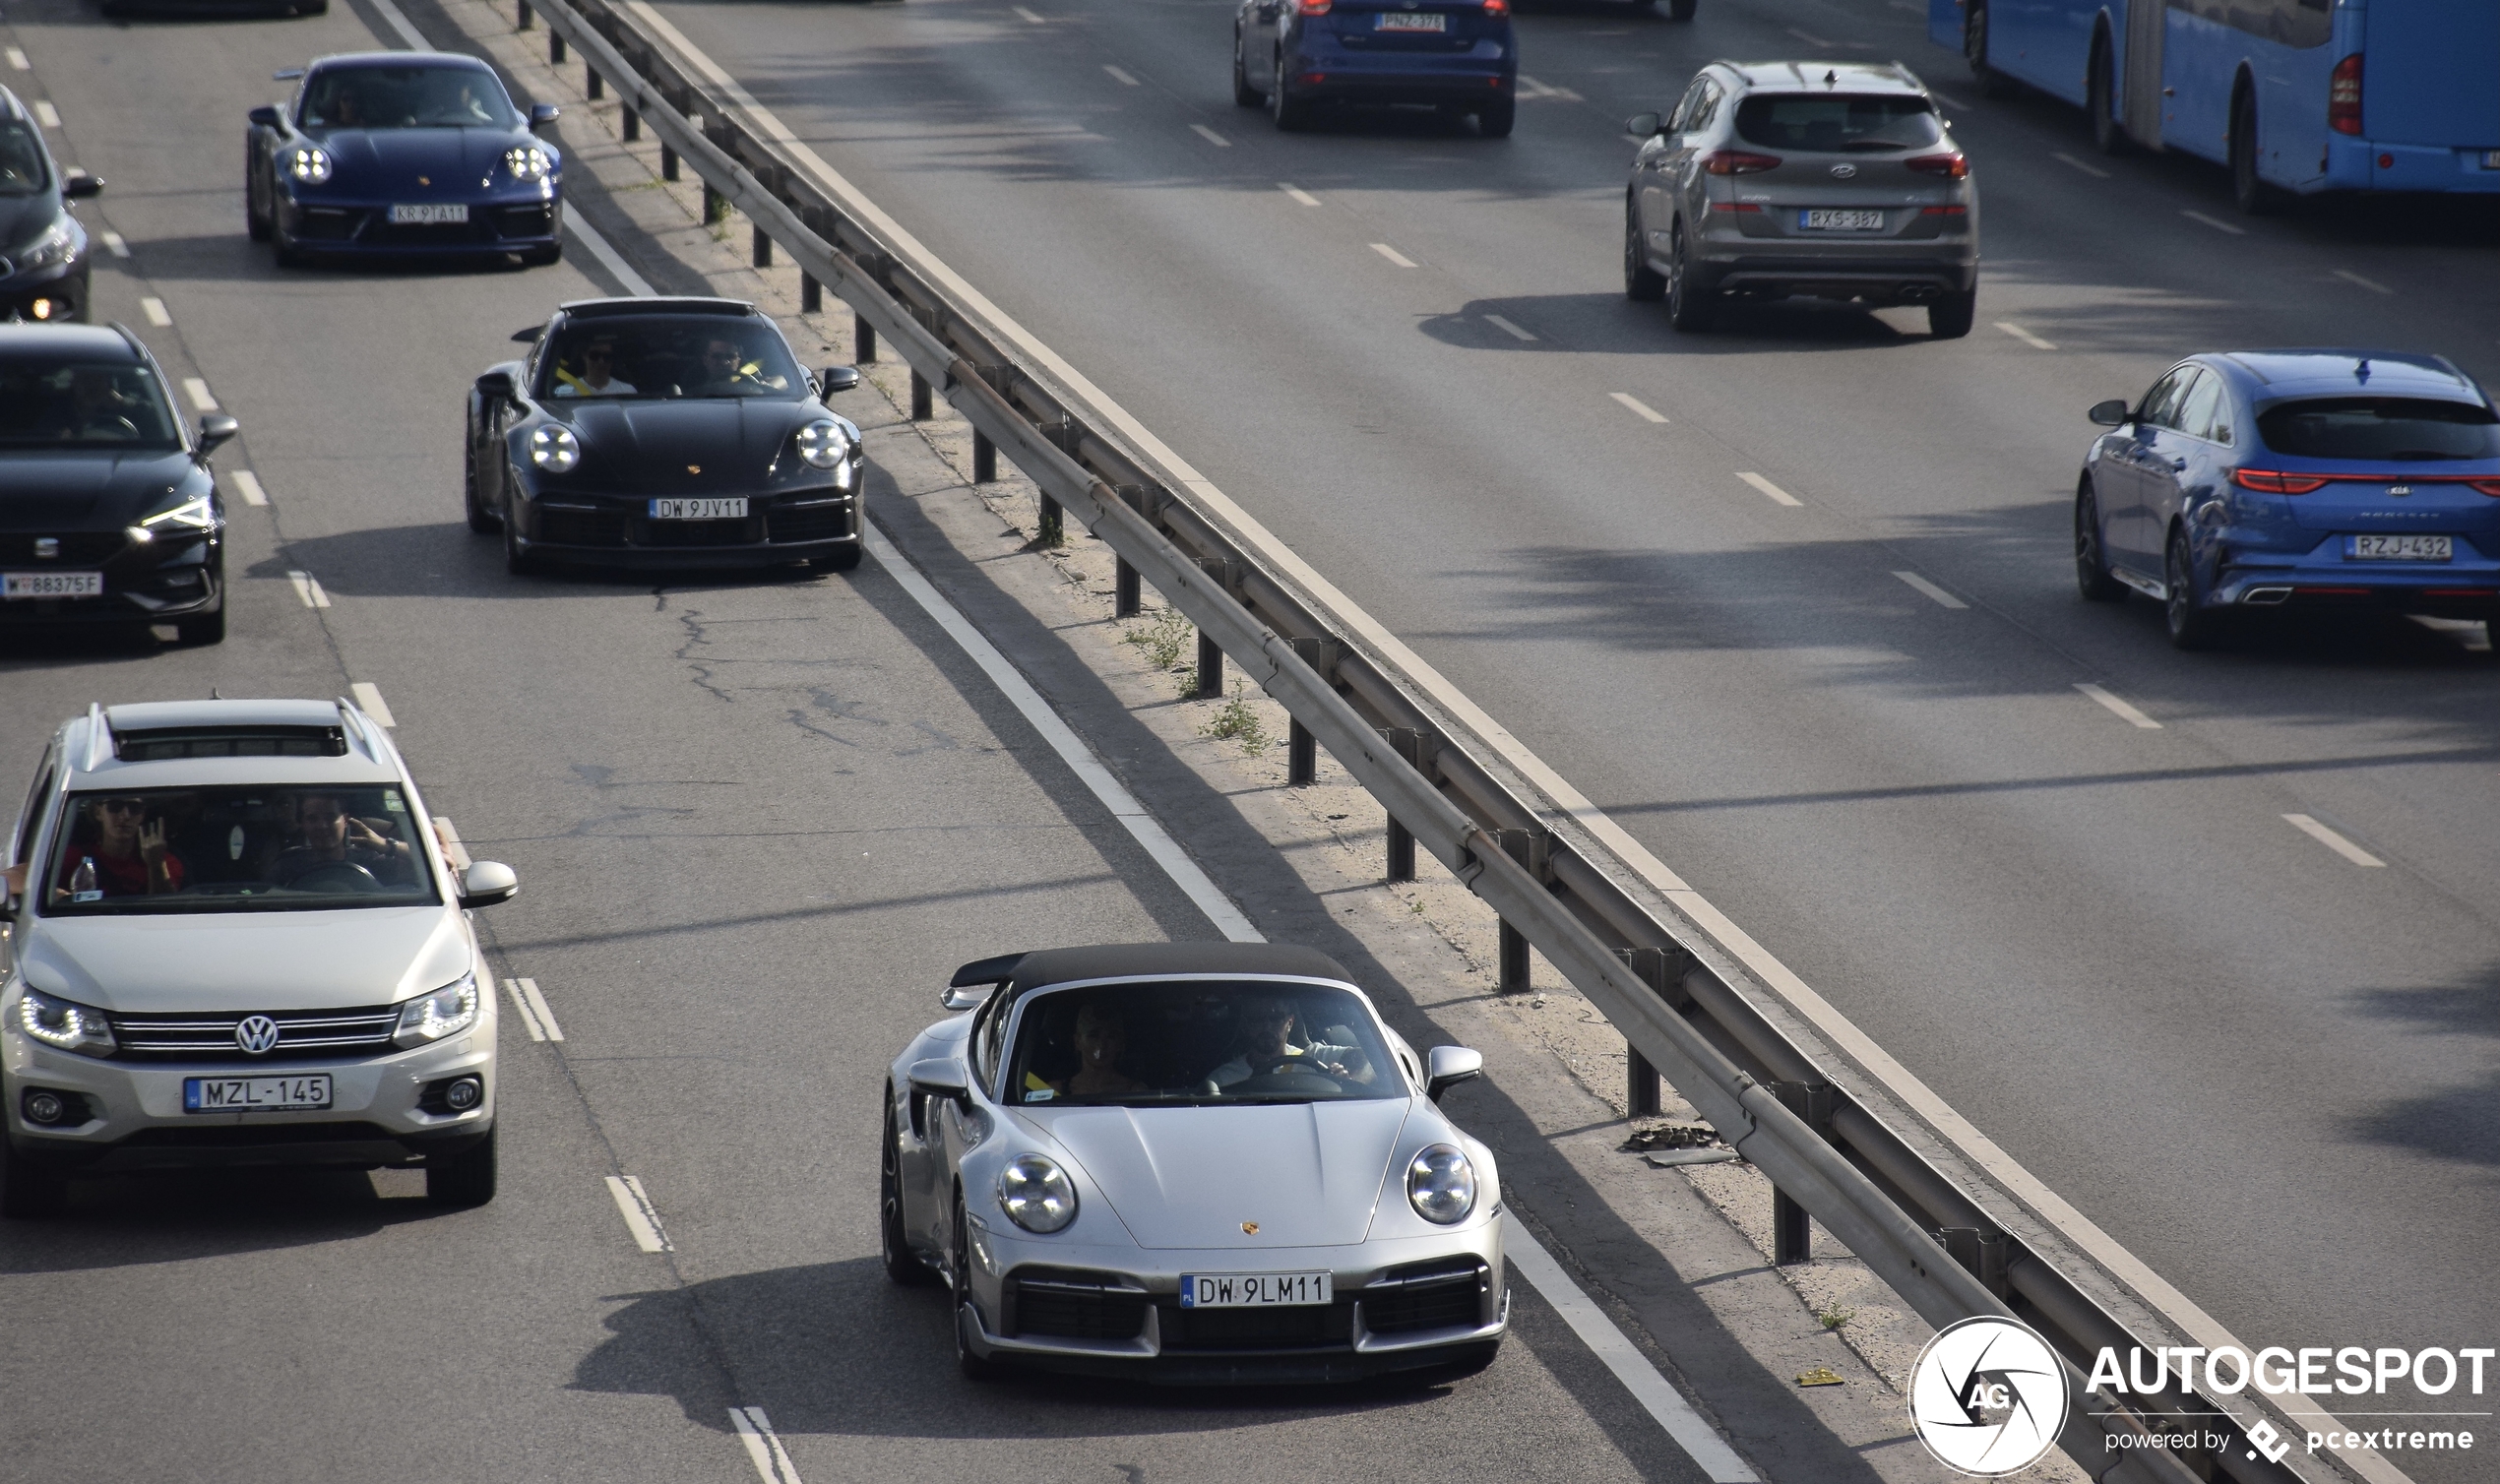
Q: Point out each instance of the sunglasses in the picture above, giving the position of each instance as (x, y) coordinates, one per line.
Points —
(125, 806)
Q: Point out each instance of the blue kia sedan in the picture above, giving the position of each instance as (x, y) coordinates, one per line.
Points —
(2356, 479)
(1457, 55)
(400, 152)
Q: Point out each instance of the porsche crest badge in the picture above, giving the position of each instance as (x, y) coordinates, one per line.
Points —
(694, 468)
(1249, 1228)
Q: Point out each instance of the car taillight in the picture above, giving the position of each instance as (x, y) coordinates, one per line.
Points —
(1497, 7)
(1951, 167)
(1735, 205)
(1738, 162)
(1944, 210)
(1312, 7)
(2489, 487)
(2272, 482)
(2344, 95)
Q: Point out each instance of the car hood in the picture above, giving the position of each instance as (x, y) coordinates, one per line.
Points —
(457, 164)
(248, 961)
(681, 448)
(1306, 1173)
(42, 489)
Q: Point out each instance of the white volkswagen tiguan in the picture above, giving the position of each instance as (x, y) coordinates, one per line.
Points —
(232, 937)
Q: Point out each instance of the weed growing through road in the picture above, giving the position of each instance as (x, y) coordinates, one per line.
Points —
(1235, 722)
(1163, 639)
(1834, 1315)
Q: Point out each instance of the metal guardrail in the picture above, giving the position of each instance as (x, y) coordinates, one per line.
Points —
(1830, 1146)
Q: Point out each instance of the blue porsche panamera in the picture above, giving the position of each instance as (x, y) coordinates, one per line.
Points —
(394, 153)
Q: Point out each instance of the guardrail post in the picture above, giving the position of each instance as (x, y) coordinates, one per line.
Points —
(555, 49)
(1211, 668)
(863, 341)
(1406, 743)
(1791, 1229)
(667, 164)
(811, 294)
(921, 411)
(985, 459)
(1301, 745)
(633, 123)
(1127, 597)
(524, 20)
(763, 249)
(1659, 968)
(1528, 847)
(593, 87)
(1983, 1254)
(1050, 529)
(715, 206)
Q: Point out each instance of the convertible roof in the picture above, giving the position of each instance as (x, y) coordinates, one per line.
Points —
(591, 309)
(1120, 961)
(447, 59)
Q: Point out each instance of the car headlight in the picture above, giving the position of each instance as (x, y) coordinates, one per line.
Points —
(308, 163)
(527, 163)
(64, 1025)
(1441, 1184)
(824, 445)
(1036, 1193)
(448, 1011)
(195, 513)
(50, 250)
(553, 448)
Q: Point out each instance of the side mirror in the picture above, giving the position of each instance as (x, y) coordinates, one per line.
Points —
(941, 1077)
(1445, 1066)
(78, 185)
(541, 115)
(264, 116)
(966, 997)
(486, 882)
(530, 335)
(216, 428)
(287, 75)
(12, 889)
(2111, 413)
(1642, 125)
(835, 379)
(496, 385)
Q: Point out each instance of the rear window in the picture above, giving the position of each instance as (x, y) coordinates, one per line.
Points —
(2398, 429)
(1836, 123)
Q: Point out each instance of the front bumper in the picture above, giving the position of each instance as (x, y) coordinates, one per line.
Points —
(614, 531)
(512, 224)
(57, 295)
(143, 583)
(1402, 1304)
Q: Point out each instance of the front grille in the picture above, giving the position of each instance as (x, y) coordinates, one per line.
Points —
(326, 223)
(736, 532)
(79, 548)
(573, 527)
(1431, 1296)
(526, 221)
(1070, 1305)
(227, 1135)
(1298, 1327)
(811, 523)
(384, 232)
(302, 1034)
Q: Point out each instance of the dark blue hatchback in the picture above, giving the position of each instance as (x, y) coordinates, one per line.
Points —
(1458, 56)
(2265, 478)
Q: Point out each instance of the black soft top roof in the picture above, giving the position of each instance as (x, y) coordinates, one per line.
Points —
(1118, 960)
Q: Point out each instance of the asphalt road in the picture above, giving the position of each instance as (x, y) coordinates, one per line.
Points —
(2267, 1070)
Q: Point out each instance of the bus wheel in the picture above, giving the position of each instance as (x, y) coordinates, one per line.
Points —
(2100, 100)
(2255, 197)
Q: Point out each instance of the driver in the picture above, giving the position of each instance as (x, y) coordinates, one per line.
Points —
(329, 834)
(97, 410)
(1268, 1031)
(727, 370)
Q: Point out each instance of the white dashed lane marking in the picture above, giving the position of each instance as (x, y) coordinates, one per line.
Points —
(198, 391)
(2349, 277)
(370, 697)
(308, 588)
(114, 244)
(1393, 255)
(1777, 494)
(1297, 193)
(16, 59)
(2215, 223)
(2025, 337)
(46, 115)
(763, 1446)
(2095, 171)
(1027, 14)
(1119, 76)
(1942, 597)
(248, 486)
(154, 310)
(536, 1017)
(2331, 840)
(2118, 708)
(609, 258)
(1211, 136)
(641, 1217)
(395, 19)
(1639, 408)
(1507, 328)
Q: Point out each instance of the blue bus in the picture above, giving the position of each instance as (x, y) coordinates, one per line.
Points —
(2297, 97)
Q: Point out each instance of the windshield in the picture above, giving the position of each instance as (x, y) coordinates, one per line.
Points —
(49, 401)
(670, 355)
(2401, 429)
(1836, 123)
(1198, 1042)
(406, 97)
(22, 171)
(251, 848)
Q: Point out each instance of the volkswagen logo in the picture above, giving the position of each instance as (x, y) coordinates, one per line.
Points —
(257, 1035)
(1987, 1396)
(1844, 173)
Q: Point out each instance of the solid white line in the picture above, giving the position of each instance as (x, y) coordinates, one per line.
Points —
(1769, 488)
(1027, 14)
(392, 16)
(114, 244)
(2216, 223)
(1809, 40)
(639, 1217)
(538, 1008)
(1117, 76)
(763, 1446)
(2025, 337)
(2095, 171)
(1071, 750)
(449, 838)
(520, 1003)
(1648, 412)
(1507, 328)
(1598, 1332)
(369, 697)
(2353, 277)
(1297, 193)
(609, 258)
(2119, 708)
(198, 391)
(16, 59)
(308, 588)
(1393, 255)
(154, 310)
(2331, 840)
(46, 115)
(1931, 590)
(1211, 136)
(248, 486)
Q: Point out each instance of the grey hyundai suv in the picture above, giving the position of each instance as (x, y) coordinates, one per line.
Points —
(1769, 179)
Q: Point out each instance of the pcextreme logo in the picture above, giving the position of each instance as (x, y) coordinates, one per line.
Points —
(1987, 1396)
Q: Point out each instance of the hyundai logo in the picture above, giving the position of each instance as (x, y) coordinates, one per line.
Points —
(257, 1035)
(1843, 171)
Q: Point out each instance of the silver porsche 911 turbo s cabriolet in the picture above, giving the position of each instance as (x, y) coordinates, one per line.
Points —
(1189, 1162)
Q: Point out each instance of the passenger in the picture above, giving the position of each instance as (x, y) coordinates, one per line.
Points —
(329, 834)
(1268, 1030)
(599, 374)
(1101, 1039)
(124, 855)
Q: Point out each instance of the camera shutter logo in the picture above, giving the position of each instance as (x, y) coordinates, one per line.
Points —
(257, 1035)
(1988, 1396)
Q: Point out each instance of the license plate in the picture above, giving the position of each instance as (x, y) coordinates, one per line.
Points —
(699, 510)
(1840, 222)
(1254, 1290)
(2400, 548)
(2491, 160)
(429, 212)
(51, 584)
(254, 1095)
(1403, 20)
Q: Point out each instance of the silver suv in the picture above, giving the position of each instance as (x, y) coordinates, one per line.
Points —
(232, 937)
(1775, 179)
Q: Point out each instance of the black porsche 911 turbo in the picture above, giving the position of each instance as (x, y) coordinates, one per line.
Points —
(663, 432)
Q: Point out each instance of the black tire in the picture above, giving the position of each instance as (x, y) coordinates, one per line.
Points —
(1292, 114)
(959, 1285)
(464, 1180)
(893, 1245)
(2192, 626)
(845, 560)
(1686, 309)
(2256, 198)
(483, 520)
(518, 561)
(2091, 558)
(540, 257)
(1243, 95)
(2100, 100)
(1975, 50)
(1681, 10)
(1949, 317)
(1641, 283)
(1495, 121)
(283, 247)
(255, 223)
(201, 629)
(28, 1194)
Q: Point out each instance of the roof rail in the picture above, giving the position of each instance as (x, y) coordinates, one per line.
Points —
(100, 732)
(356, 725)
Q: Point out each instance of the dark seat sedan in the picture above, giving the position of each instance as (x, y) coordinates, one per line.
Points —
(43, 247)
(2338, 479)
(109, 513)
(1459, 55)
(397, 153)
(663, 433)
